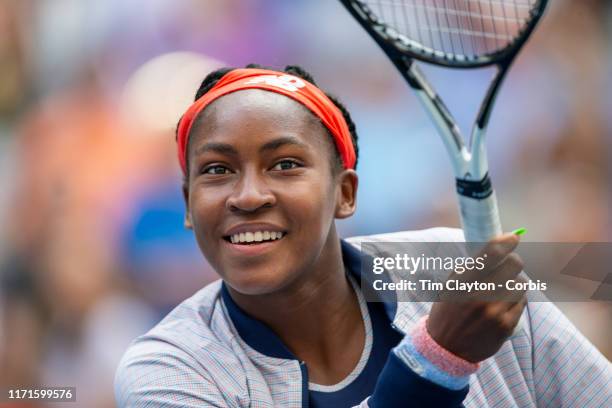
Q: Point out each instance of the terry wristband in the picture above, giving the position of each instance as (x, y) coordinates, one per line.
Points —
(424, 356)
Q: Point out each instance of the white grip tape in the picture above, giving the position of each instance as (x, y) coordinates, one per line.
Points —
(480, 218)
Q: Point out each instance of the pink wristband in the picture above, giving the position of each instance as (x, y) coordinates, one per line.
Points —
(438, 355)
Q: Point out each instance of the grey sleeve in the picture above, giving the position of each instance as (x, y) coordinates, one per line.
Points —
(157, 374)
(568, 370)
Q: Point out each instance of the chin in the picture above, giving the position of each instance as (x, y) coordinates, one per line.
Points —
(255, 281)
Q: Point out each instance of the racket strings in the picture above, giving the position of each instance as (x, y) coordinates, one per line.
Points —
(461, 28)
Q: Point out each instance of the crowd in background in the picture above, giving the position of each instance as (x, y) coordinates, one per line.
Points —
(92, 246)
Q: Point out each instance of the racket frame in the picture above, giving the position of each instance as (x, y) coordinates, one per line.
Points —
(393, 42)
(477, 203)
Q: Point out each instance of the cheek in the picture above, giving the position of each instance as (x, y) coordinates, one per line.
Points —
(311, 204)
(206, 212)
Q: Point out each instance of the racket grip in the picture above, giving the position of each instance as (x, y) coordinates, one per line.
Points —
(479, 218)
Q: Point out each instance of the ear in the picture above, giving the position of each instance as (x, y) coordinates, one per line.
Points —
(346, 203)
(187, 222)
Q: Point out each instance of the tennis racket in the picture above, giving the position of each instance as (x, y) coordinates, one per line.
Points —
(455, 34)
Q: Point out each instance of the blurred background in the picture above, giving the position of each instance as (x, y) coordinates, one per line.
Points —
(92, 246)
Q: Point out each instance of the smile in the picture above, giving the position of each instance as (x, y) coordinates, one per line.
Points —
(255, 237)
(258, 244)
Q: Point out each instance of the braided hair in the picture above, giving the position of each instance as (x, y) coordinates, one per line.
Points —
(211, 80)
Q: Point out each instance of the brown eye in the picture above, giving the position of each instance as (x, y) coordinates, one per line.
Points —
(286, 165)
(216, 170)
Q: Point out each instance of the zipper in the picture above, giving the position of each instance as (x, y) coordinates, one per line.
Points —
(304, 371)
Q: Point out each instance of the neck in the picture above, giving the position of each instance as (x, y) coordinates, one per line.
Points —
(317, 315)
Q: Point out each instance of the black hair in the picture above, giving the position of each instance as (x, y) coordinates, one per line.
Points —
(211, 80)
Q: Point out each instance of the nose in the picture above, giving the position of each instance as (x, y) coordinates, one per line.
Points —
(250, 193)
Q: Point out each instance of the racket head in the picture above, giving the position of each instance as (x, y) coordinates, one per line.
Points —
(450, 33)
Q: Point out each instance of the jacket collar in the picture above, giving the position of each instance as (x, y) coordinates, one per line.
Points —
(262, 339)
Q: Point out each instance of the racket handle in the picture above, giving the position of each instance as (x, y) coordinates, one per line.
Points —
(479, 218)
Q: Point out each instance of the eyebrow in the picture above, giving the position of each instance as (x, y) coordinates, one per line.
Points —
(282, 141)
(227, 149)
(222, 148)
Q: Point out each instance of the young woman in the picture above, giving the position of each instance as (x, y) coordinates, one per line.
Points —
(269, 164)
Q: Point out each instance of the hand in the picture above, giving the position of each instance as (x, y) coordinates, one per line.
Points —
(476, 329)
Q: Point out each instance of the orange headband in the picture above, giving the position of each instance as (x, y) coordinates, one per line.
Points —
(291, 86)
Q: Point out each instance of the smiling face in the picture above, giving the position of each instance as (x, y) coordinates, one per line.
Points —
(262, 194)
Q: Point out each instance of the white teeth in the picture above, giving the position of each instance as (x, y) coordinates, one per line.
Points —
(257, 236)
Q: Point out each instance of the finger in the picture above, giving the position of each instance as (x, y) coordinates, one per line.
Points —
(517, 307)
(498, 248)
(520, 305)
(513, 315)
(513, 292)
(509, 268)
(494, 252)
